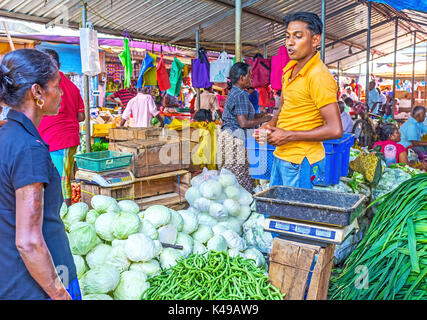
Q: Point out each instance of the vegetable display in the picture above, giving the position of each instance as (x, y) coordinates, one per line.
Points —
(212, 276)
(117, 239)
(391, 260)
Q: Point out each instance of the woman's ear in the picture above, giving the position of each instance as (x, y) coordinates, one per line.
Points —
(36, 90)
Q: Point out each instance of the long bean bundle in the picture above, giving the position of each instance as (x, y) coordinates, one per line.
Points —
(391, 260)
(212, 276)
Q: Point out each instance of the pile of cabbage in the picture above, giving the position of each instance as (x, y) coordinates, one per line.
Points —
(116, 248)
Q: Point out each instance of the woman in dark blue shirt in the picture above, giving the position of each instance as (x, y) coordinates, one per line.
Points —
(238, 116)
(35, 256)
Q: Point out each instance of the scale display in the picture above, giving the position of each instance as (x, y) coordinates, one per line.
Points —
(106, 179)
(306, 230)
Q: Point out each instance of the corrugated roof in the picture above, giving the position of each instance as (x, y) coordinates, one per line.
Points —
(175, 22)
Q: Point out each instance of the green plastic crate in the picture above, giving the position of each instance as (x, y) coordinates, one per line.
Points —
(103, 160)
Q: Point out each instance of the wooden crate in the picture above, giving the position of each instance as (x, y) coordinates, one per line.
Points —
(125, 192)
(155, 156)
(133, 133)
(300, 270)
(161, 184)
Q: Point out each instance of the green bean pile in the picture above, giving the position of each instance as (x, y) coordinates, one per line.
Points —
(393, 251)
(213, 276)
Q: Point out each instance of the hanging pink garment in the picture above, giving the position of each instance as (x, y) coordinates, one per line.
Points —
(277, 64)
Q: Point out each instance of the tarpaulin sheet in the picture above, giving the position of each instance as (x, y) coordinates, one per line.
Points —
(420, 5)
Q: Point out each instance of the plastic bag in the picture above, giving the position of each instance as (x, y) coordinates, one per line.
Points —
(260, 71)
(220, 69)
(200, 70)
(89, 52)
(162, 75)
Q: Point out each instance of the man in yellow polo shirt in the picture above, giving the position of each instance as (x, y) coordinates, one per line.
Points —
(309, 112)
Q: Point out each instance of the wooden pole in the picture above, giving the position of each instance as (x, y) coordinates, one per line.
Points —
(238, 29)
(86, 90)
(12, 46)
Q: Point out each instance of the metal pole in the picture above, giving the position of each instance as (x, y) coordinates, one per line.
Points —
(358, 82)
(413, 73)
(368, 55)
(198, 57)
(322, 53)
(265, 50)
(86, 90)
(396, 29)
(238, 29)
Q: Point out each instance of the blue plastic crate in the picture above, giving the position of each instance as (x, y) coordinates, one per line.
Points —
(103, 160)
(260, 159)
(336, 162)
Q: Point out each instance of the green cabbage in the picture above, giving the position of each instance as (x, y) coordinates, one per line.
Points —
(125, 224)
(169, 257)
(63, 211)
(167, 234)
(158, 215)
(234, 241)
(128, 206)
(104, 204)
(255, 255)
(150, 268)
(207, 219)
(101, 279)
(176, 220)
(203, 233)
(210, 189)
(244, 213)
(98, 255)
(192, 195)
(217, 243)
(76, 213)
(91, 216)
(81, 266)
(190, 221)
(131, 286)
(148, 229)
(82, 238)
(232, 192)
(186, 242)
(232, 207)
(199, 248)
(217, 210)
(104, 226)
(140, 247)
(117, 258)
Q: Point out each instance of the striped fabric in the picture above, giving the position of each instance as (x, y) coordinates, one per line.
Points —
(64, 161)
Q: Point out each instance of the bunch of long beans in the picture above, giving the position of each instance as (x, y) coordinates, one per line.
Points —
(391, 260)
(212, 276)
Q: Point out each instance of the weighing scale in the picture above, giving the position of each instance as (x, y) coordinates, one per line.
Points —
(308, 230)
(109, 179)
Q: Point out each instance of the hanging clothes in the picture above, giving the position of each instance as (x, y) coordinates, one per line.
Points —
(150, 76)
(162, 75)
(200, 70)
(126, 61)
(260, 71)
(175, 77)
(278, 63)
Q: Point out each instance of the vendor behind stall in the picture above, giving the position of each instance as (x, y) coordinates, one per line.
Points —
(309, 112)
(142, 108)
(238, 116)
(413, 130)
(124, 96)
(209, 101)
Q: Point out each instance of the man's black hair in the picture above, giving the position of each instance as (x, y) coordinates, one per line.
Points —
(203, 115)
(348, 101)
(313, 21)
(418, 109)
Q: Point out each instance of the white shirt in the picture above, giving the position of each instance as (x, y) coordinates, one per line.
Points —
(142, 108)
(353, 96)
(347, 122)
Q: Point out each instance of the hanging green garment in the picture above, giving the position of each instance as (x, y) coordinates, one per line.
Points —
(150, 76)
(126, 61)
(175, 77)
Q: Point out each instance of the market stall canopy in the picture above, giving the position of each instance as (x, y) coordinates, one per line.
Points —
(419, 5)
(175, 23)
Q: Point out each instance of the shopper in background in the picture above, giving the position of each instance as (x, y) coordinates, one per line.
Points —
(209, 101)
(142, 108)
(350, 93)
(383, 101)
(393, 151)
(32, 235)
(347, 122)
(309, 114)
(238, 116)
(61, 131)
(413, 130)
(124, 96)
(277, 100)
(374, 98)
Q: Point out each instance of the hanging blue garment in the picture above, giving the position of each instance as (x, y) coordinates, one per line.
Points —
(419, 5)
(146, 64)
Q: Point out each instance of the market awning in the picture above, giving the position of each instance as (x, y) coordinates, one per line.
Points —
(418, 5)
(175, 22)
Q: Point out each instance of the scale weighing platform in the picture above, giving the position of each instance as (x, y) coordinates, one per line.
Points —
(308, 230)
(108, 179)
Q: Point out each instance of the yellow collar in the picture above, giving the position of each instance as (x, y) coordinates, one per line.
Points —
(310, 63)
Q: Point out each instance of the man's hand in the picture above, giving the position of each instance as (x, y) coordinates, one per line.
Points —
(278, 137)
